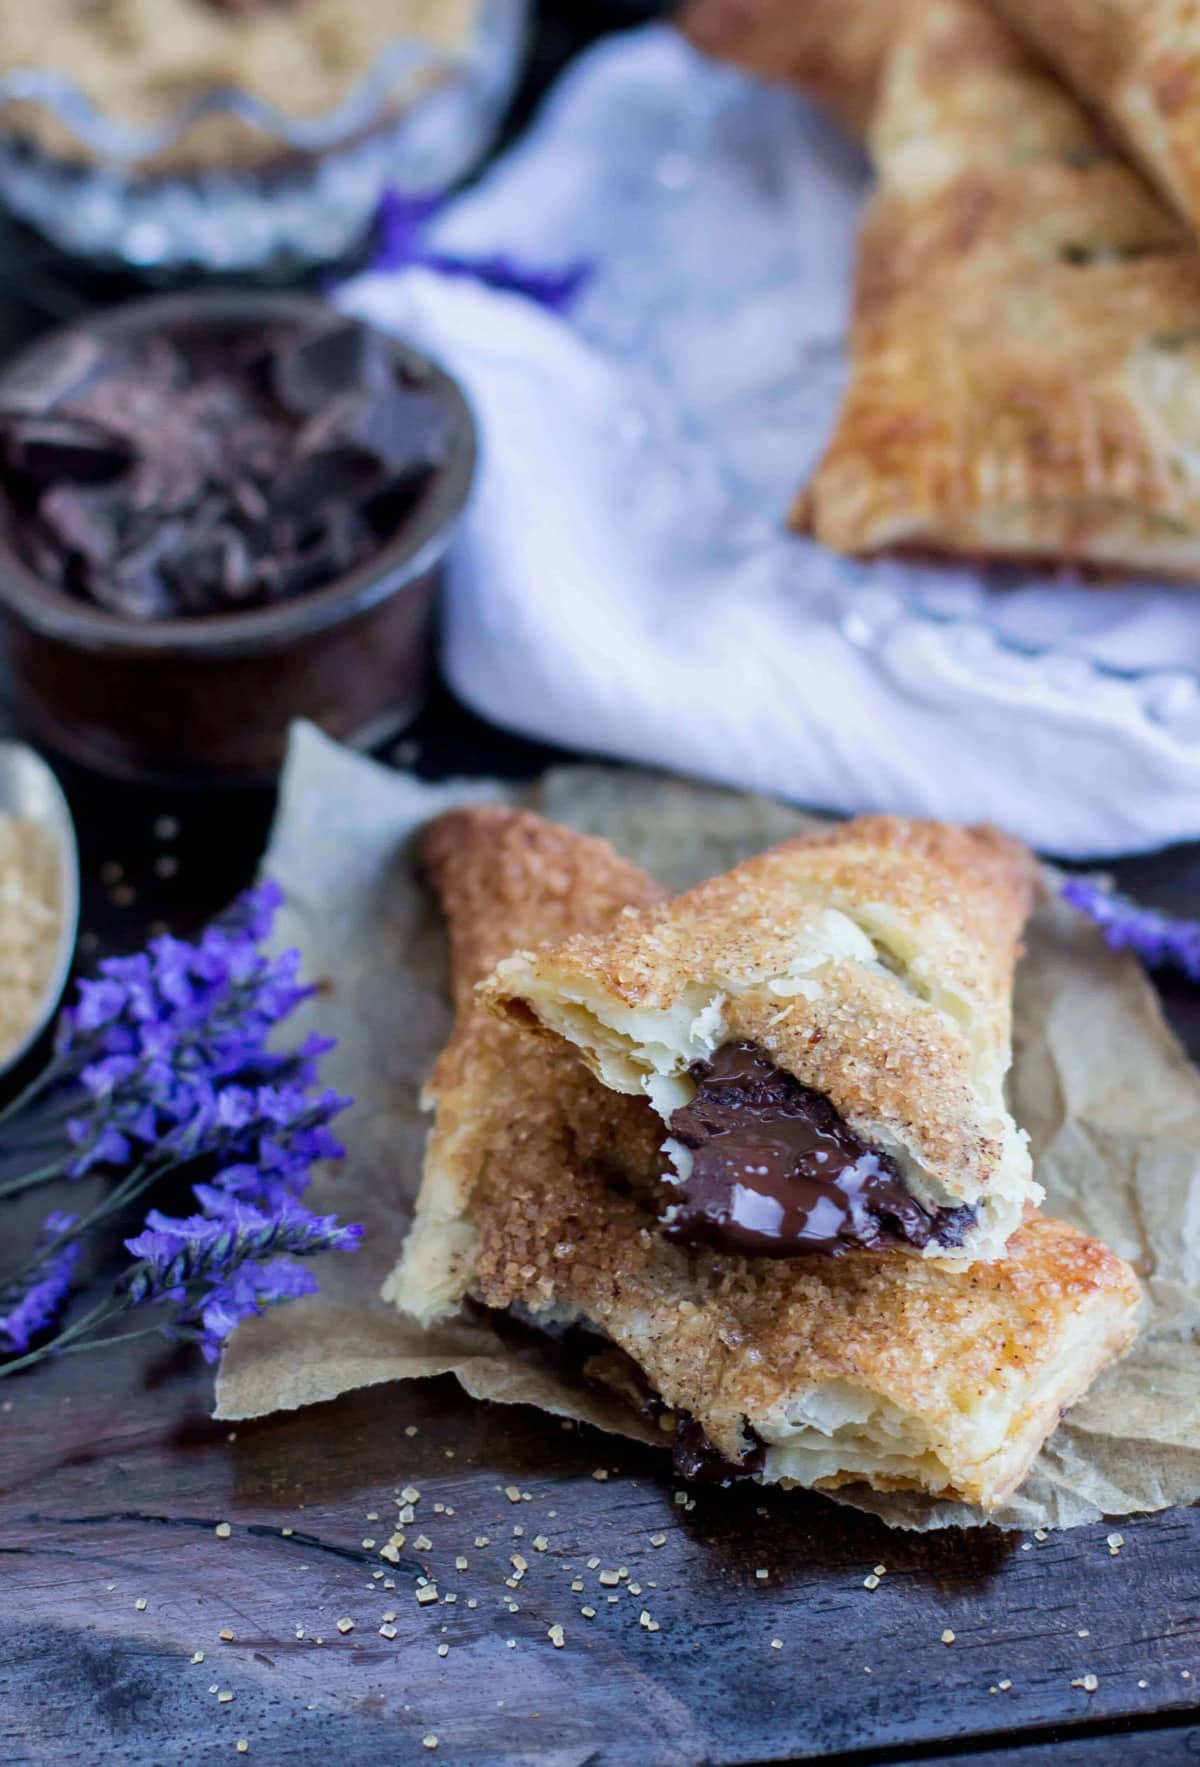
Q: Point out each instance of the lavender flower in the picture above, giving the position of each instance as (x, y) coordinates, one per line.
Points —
(249, 1291)
(165, 1060)
(157, 1039)
(403, 221)
(27, 1309)
(1160, 940)
(175, 1254)
(213, 1266)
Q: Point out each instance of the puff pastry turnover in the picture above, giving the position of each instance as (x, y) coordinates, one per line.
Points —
(824, 1031)
(1026, 344)
(1138, 63)
(832, 48)
(541, 1199)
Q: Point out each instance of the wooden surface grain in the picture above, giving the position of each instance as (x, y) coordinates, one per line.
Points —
(113, 1479)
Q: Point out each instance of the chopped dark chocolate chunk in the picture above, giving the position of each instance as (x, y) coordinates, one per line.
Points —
(218, 470)
(407, 430)
(82, 523)
(52, 450)
(775, 1171)
(310, 371)
(58, 370)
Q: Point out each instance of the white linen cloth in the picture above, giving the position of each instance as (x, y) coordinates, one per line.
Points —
(625, 583)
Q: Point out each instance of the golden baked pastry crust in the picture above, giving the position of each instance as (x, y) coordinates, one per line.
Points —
(873, 962)
(1026, 348)
(1138, 63)
(505, 1102)
(893, 1371)
(832, 48)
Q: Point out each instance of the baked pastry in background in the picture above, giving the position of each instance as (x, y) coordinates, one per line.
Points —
(825, 1033)
(832, 48)
(1138, 63)
(1025, 353)
(541, 1201)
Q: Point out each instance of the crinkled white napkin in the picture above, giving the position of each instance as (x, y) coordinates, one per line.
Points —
(625, 583)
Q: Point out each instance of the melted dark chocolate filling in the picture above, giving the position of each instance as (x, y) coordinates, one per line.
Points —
(580, 1353)
(699, 1461)
(776, 1172)
(695, 1456)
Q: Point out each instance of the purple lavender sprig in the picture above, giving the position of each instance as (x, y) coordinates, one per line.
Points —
(166, 1055)
(27, 1309)
(1160, 940)
(165, 1061)
(400, 244)
(213, 1272)
(223, 1269)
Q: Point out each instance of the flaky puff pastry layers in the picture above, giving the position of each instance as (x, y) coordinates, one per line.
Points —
(504, 1104)
(541, 1195)
(833, 49)
(1137, 62)
(1025, 352)
(872, 963)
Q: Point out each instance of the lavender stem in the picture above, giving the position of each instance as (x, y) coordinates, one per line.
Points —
(66, 1344)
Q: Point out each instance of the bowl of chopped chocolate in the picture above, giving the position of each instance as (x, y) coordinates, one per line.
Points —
(221, 512)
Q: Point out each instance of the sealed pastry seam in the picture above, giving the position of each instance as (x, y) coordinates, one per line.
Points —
(541, 1204)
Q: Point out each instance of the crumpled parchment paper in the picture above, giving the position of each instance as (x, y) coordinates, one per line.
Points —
(1110, 1101)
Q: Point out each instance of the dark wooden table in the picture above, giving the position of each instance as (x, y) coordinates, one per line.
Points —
(114, 1481)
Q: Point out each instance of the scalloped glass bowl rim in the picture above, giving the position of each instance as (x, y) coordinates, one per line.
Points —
(111, 140)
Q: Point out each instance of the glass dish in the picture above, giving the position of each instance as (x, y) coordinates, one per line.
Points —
(418, 119)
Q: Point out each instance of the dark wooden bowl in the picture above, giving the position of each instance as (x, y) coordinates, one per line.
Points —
(211, 698)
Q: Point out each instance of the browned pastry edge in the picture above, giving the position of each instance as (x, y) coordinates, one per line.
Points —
(833, 49)
(1138, 63)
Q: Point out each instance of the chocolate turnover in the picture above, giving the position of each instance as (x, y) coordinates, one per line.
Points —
(776, 1172)
(216, 470)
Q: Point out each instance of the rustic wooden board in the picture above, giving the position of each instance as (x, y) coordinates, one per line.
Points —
(114, 1480)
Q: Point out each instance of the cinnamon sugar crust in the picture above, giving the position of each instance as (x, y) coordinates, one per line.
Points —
(503, 1101)
(1026, 340)
(541, 1195)
(903, 1374)
(873, 962)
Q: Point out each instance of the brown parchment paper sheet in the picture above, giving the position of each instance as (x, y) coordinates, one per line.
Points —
(1110, 1101)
